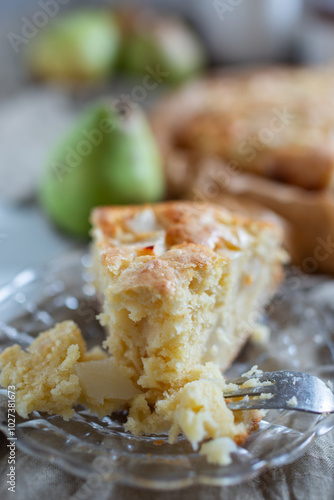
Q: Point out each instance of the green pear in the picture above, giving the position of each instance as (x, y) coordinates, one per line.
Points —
(80, 46)
(110, 157)
(158, 41)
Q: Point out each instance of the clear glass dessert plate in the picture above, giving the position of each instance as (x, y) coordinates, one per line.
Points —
(301, 319)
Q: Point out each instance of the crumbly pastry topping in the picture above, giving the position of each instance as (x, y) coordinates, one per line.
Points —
(57, 372)
(182, 285)
(44, 374)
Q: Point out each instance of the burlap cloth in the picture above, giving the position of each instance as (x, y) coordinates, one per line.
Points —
(309, 477)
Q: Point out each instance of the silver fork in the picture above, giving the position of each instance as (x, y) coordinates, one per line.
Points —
(290, 391)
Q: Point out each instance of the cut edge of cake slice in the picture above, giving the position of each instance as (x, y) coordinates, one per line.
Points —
(182, 283)
(56, 373)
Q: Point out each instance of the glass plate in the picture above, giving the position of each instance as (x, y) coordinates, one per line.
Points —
(301, 318)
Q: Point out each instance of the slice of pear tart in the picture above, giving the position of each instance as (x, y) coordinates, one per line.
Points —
(182, 285)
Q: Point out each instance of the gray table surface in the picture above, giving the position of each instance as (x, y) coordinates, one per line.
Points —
(27, 238)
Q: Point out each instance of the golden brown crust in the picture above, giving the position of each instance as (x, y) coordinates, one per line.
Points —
(275, 122)
(183, 236)
(204, 224)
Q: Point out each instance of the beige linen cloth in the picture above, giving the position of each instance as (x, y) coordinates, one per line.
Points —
(310, 477)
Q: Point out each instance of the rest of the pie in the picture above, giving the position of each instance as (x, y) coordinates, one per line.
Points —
(274, 122)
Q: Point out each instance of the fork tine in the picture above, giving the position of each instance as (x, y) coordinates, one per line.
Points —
(291, 390)
(252, 404)
(250, 391)
(239, 380)
(264, 377)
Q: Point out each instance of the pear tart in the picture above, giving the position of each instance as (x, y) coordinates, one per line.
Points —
(274, 122)
(182, 284)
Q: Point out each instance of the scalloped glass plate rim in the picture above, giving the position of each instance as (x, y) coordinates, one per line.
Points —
(70, 465)
(190, 477)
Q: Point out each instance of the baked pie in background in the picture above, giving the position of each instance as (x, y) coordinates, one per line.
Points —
(265, 137)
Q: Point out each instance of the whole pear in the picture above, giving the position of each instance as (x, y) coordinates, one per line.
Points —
(110, 157)
(80, 46)
(164, 41)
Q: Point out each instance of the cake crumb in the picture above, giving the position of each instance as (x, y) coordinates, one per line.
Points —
(255, 382)
(261, 334)
(292, 401)
(44, 374)
(266, 395)
(218, 451)
(253, 371)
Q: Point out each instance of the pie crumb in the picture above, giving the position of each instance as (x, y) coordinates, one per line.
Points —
(218, 451)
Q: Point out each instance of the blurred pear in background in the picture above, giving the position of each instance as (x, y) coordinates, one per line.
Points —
(78, 47)
(152, 39)
(109, 157)
(90, 45)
